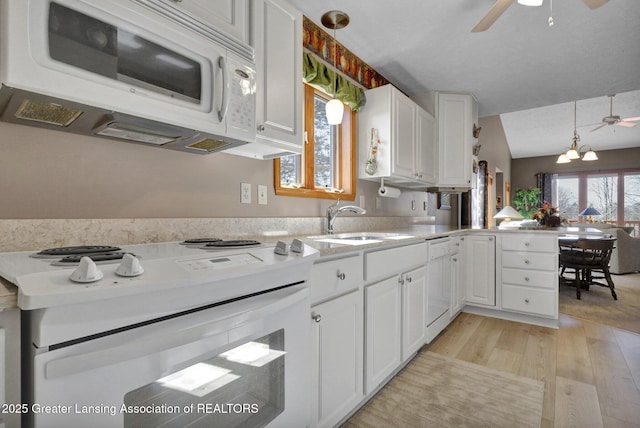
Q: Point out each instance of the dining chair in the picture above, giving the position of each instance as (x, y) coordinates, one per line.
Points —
(587, 256)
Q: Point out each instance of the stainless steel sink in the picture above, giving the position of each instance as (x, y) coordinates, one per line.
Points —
(359, 238)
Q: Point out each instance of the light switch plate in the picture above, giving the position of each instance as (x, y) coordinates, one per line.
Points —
(245, 193)
(262, 194)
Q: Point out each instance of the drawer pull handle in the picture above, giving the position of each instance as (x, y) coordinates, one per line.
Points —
(341, 276)
(526, 300)
(526, 278)
(316, 317)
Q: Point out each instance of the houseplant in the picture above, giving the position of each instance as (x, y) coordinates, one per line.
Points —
(526, 201)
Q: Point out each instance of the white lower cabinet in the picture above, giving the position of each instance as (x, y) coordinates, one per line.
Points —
(337, 349)
(480, 274)
(458, 289)
(383, 331)
(10, 366)
(529, 274)
(414, 314)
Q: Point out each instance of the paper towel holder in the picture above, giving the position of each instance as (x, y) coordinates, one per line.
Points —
(390, 192)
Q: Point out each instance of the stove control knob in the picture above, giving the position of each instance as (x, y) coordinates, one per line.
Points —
(87, 271)
(281, 248)
(297, 246)
(129, 266)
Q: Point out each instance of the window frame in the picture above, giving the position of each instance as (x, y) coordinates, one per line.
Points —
(346, 157)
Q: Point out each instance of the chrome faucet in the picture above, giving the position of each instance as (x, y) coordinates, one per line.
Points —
(333, 211)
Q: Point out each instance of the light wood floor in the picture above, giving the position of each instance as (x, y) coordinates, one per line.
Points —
(591, 371)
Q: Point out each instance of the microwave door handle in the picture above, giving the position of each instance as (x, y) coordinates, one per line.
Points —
(222, 63)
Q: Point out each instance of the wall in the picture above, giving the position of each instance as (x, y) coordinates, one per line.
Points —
(49, 174)
(495, 150)
(524, 169)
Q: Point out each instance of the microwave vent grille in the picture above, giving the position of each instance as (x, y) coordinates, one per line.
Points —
(208, 145)
(50, 113)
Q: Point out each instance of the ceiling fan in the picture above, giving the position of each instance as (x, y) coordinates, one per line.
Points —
(500, 6)
(614, 119)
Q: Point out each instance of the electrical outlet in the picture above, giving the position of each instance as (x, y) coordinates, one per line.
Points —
(262, 194)
(245, 193)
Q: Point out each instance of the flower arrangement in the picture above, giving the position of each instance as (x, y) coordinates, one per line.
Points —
(548, 215)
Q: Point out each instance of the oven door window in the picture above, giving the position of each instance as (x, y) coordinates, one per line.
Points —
(242, 387)
(101, 48)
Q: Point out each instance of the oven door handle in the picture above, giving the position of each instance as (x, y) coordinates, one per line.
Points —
(237, 319)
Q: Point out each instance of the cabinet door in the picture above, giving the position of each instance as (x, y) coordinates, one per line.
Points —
(279, 93)
(228, 16)
(458, 290)
(337, 351)
(426, 158)
(455, 135)
(480, 254)
(414, 311)
(382, 331)
(403, 135)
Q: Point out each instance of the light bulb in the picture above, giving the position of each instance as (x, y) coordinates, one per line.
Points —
(334, 111)
(573, 154)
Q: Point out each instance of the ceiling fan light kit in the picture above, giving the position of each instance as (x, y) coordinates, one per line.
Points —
(500, 6)
(530, 2)
(574, 152)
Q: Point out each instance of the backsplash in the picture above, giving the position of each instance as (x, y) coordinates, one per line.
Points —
(36, 234)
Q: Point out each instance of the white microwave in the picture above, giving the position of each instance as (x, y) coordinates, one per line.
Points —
(118, 69)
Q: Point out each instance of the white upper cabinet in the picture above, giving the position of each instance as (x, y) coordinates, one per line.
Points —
(228, 16)
(406, 132)
(277, 39)
(455, 113)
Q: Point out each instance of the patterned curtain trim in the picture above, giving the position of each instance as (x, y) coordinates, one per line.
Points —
(317, 73)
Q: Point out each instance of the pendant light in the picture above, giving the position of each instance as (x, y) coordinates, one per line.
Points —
(574, 152)
(335, 19)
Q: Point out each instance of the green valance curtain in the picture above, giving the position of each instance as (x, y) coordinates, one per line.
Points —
(317, 73)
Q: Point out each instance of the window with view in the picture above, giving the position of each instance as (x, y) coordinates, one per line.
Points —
(326, 169)
(614, 194)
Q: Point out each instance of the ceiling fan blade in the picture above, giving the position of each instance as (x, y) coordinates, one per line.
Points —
(492, 16)
(594, 4)
(632, 119)
(626, 124)
(595, 129)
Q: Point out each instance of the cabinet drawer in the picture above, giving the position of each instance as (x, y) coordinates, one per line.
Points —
(381, 264)
(530, 242)
(530, 300)
(530, 261)
(530, 278)
(335, 277)
(440, 248)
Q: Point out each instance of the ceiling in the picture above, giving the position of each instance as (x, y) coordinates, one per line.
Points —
(522, 69)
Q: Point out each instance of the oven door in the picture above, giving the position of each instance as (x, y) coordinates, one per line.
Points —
(241, 364)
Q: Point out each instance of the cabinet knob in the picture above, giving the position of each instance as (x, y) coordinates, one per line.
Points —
(177, 1)
(316, 317)
(526, 244)
(260, 127)
(526, 300)
(526, 262)
(455, 259)
(409, 279)
(401, 281)
(526, 278)
(490, 238)
(341, 276)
